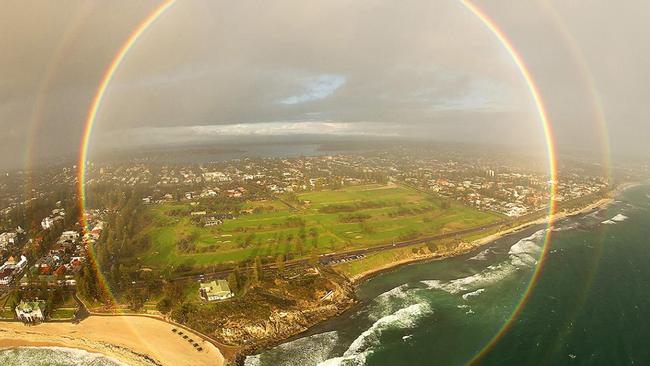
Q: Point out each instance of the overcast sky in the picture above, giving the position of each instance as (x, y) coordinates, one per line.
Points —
(427, 69)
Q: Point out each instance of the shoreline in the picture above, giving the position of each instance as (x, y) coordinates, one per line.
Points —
(109, 335)
(137, 341)
(9, 344)
(465, 248)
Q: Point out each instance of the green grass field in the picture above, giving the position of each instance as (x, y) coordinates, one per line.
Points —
(63, 313)
(324, 222)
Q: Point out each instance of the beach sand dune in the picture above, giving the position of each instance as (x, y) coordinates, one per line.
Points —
(131, 339)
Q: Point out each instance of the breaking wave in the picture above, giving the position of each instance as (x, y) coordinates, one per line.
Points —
(615, 219)
(400, 308)
(301, 352)
(482, 256)
(522, 254)
(391, 300)
(473, 293)
(60, 356)
(362, 346)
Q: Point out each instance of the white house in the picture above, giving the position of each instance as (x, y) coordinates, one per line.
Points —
(215, 290)
(47, 223)
(69, 236)
(11, 269)
(7, 239)
(32, 311)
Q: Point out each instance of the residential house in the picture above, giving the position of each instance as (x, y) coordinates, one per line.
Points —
(7, 239)
(215, 290)
(31, 311)
(211, 221)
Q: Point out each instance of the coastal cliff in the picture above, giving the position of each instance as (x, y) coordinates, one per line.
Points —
(273, 310)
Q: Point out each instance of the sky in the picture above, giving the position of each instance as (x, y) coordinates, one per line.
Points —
(211, 70)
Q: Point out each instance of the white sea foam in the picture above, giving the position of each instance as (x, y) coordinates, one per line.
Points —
(55, 356)
(473, 293)
(303, 351)
(392, 300)
(595, 213)
(255, 360)
(522, 255)
(403, 318)
(615, 219)
(399, 292)
(354, 360)
(480, 256)
(525, 251)
(486, 277)
(565, 228)
(362, 346)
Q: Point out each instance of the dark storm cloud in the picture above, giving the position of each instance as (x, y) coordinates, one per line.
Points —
(422, 68)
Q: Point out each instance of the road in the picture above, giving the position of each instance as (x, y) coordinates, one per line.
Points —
(326, 259)
(82, 312)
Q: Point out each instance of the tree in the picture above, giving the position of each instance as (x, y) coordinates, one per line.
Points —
(257, 270)
(135, 298)
(173, 290)
(14, 299)
(185, 312)
(279, 262)
(234, 280)
(313, 259)
(164, 305)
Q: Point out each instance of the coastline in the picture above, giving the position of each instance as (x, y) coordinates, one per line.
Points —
(9, 344)
(465, 248)
(130, 340)
(138, 341)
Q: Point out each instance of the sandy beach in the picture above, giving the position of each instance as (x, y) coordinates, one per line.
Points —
(130, 339)
(139, 340)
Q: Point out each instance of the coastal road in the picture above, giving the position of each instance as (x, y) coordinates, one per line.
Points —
(333, 258)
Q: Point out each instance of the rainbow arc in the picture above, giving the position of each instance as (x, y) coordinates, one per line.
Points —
(500, 36)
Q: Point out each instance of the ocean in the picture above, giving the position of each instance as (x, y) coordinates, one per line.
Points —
(589, 306)
(54, 356)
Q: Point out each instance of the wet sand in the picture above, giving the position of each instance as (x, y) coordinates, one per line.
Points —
(131, 339)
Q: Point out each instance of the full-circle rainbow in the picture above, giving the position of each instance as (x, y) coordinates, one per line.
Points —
(476, 11)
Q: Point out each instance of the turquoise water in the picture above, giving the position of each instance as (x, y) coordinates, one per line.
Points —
(591, 305)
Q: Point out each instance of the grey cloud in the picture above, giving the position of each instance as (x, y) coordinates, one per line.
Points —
(421, 68)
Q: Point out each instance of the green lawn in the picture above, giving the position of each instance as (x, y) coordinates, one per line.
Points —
(62, 313)
(345, 219)
(7, 313)
(381, 259)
